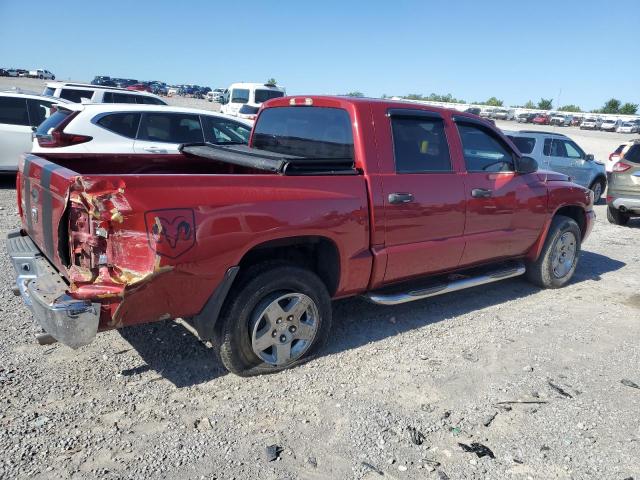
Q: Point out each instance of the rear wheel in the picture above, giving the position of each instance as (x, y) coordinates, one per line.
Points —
(616, 217)
(279, 317)
(597, 187)
(559, 257)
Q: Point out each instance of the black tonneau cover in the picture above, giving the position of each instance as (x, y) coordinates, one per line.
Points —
(283, 164)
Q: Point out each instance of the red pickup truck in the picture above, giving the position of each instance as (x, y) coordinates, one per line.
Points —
(333, 197)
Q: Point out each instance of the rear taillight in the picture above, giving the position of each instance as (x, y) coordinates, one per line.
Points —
(621, 167)
(58, 138)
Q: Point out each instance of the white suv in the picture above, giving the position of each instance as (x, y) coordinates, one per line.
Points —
(76, 92)
(244, 99)
(127, 129)
(20, 114)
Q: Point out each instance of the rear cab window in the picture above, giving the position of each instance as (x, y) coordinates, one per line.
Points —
(309, 132)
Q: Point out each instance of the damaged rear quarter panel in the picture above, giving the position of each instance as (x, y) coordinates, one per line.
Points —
(170, 239)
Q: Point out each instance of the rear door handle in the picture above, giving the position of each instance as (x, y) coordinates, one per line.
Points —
(480, 193)
(396, 198)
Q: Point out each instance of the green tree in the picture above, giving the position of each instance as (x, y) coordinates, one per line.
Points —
(629, 109)
(272, 81)
(355, 94)
(611, 106)
(545, 103)
(529, 104)
(570, 108)
(494, 102)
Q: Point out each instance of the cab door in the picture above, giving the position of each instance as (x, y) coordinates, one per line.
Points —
(424, 203)
(504, 209)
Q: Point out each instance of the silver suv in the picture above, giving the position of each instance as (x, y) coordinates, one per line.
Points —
(557, 152)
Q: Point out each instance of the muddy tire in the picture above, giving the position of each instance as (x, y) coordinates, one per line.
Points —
(559, 257)
(616, 217)
(279, 316)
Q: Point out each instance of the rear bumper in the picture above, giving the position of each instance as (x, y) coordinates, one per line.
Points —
(70, 321)
(629, 203)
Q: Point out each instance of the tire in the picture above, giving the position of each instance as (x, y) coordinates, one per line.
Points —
(244, 316)
(597, 194)
(616, 217)
(544, 272)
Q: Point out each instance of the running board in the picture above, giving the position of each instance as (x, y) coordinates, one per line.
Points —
(382, 298)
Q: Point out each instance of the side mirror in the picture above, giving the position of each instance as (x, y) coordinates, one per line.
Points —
(589, 157)
(526, 165)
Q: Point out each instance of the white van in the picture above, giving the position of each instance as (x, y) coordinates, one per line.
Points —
(244, 99)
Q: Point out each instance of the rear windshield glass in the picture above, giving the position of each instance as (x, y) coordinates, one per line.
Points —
(75, 96)
(524, 144)
(264, 95)
(311, 132)
(633, 154)
(52, 122)
(239, 95)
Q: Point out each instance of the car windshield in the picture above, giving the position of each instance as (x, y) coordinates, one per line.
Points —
(310, 132)
(627, 124)
(264, 95)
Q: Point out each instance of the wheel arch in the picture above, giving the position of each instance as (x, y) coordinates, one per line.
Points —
(575, 212)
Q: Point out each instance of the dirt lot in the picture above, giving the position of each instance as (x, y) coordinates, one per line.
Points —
(153, 402)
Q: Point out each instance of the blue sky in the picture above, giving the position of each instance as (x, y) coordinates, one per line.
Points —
(587, 50)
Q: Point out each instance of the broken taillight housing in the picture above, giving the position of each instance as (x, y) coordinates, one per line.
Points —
(58, 138)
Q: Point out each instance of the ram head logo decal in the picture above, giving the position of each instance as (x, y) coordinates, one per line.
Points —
(171, 232)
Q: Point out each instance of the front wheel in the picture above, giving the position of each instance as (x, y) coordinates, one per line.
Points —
(280, 316)
(559, 257)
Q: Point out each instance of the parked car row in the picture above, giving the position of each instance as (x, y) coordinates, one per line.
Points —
(20, 72)
(563, 119)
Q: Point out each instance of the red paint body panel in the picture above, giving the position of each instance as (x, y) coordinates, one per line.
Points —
(156, 245)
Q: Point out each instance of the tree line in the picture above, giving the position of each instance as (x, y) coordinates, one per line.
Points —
(611, 106)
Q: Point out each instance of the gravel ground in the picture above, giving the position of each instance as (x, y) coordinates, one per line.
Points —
(396, 391)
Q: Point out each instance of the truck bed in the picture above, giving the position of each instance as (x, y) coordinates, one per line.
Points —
(182, 221)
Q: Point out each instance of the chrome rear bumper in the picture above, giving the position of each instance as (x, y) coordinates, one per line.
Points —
(70, 321)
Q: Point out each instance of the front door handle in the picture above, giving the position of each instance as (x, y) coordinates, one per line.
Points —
(396, 198)
(154, 149)
(480, 193)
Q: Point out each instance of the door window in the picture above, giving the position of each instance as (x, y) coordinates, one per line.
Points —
(39, 111)
(125, 124)
(554, 148)
(573, 150)
(223, 131)
(13, 111)
(483, 151)
(170, 128)
(239, 95)
(420, 145)
(75, 96)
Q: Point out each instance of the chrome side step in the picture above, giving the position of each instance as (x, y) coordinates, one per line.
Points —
(382, 298)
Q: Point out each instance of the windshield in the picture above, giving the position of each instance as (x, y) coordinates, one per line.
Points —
(310, 132)
(239, 95)
(48, 92)
(264, 95)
